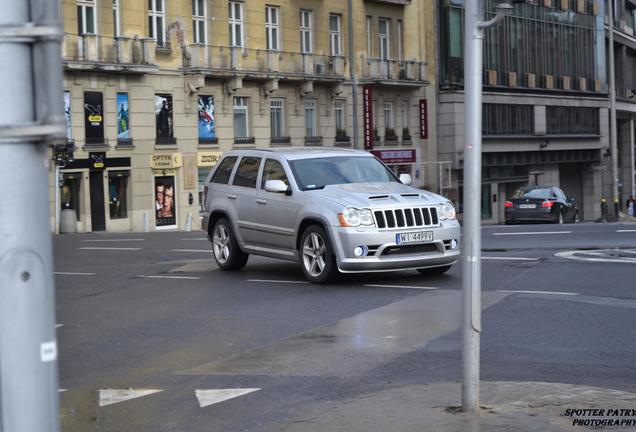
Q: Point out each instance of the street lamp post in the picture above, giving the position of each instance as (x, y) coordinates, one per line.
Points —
(474, 26)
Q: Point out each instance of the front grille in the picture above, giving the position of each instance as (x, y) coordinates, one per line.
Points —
(410, 249)
(413, 217)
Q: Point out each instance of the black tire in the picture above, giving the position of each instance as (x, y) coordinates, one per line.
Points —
(577, 218)
(432, 271)
(316, 256)
(560, 218)
(227, 252)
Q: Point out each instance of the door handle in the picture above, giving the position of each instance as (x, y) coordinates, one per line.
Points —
(261, 201)
(231, 196)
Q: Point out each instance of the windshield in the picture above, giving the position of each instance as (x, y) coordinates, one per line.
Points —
(316, 173)
(534, 193)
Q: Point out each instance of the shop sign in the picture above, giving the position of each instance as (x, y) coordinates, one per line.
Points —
(93, 117)
(391, 157)
(423, 119)
(367, 112)
(97, 161)
(208, 159)
(165, 161)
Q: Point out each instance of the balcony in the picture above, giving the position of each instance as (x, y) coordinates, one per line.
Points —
(91, 52)
(394, 72)
(258, 64)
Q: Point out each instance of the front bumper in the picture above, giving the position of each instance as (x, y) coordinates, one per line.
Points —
(386, 255)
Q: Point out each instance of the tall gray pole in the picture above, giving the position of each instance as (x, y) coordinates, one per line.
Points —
(30, 115)
(613, 125)
(474, 26)
(354, 77)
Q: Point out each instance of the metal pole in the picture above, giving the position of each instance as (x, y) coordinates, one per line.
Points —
(612, 94)
(632, 167)
(56, 229)
(29, 398)
(471, 277)
(354, 78)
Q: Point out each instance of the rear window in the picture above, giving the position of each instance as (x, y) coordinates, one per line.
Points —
(534, 193)
(222, 174)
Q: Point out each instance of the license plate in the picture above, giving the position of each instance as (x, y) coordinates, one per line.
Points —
(527, 206)
(414, 237)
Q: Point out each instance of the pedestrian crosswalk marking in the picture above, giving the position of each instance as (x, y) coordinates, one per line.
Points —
(113, 396)
(214, 396)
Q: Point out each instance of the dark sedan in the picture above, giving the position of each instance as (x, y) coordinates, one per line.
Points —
(541, 204)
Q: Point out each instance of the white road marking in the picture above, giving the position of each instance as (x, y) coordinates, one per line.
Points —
(510, 258)
(400, 286)
(114, 240)
(111, 396)
(533, 233)
(109, 248)
(626, 230)
(62, 390)
(596, 256)
(192, 250)
(214, 396)
(195, 238)
(74, 274)
(59, 325)
(539, 292)
(277, 281)
(168, 277)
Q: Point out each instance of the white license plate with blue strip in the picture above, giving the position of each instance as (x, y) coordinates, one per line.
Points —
(414, 237)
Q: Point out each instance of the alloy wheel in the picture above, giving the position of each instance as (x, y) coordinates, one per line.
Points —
(314, 254)
(220, 244)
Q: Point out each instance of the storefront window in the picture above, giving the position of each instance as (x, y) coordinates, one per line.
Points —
(118, 194)
(486, 207)
(70, 193)
(203, 173)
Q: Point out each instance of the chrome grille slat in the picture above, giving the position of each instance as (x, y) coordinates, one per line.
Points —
(406, 217)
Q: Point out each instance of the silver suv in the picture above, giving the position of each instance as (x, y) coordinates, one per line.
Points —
(334, 210)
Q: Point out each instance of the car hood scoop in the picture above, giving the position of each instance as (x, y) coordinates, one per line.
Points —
(374, 194)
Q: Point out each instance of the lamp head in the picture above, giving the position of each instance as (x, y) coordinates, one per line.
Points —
(504, 6)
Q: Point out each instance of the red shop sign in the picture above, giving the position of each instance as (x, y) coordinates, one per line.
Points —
(367, 112)
(391, 157)
(423, 119)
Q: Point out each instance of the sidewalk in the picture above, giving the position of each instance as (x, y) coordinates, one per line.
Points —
(506, 406)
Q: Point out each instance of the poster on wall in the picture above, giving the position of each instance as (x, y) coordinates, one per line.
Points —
(163, 114)
(123, 126)
(207, 123)
(94, 117)
(165, 204)
(67, 114)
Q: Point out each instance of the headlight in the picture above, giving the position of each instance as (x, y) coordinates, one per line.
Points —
(446, 211)
(352, 217)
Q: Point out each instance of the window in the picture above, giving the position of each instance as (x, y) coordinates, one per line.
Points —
(156, 21)
(404, 115)
(241, 126)
(400, 42)
(498, 119)
(306, 36)
(310, 118)
(369, 38)
(388, 116)
(339, 111)
(199, 22)
(276, 115)
(236, 24)
(118, 194)
(116, 28)
(572, 120)
(223, 172)
(335, 45)
(86, 17)
(247, 172)
(272, 27)
(273, 170)
(383, 33)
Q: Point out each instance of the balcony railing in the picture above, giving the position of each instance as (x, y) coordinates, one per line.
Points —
(264, 62)
(90, 50)
(393, 70)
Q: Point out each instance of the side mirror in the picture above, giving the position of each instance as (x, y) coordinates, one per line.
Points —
(405, 179)
(276, 186)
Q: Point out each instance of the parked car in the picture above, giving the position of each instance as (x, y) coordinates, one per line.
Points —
(541, 204)
(333, 210)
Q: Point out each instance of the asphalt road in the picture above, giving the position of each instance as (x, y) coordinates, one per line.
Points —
(151, 313)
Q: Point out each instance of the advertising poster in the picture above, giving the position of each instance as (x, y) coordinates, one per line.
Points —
(94, 117)
(165, 204)
(123, 126)
(67, 114)
(163, 114)
(207, 124)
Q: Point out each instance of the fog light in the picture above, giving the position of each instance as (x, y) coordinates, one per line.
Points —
(360, 251)
(454, 244)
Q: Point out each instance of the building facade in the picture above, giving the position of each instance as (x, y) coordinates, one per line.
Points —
(545, 103)
(157, 90)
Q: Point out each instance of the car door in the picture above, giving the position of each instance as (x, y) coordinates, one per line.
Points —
(278, 212)
(244, 195)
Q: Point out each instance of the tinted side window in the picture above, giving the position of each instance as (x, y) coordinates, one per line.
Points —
(273, 170)
(222, 174)
(247, 172)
